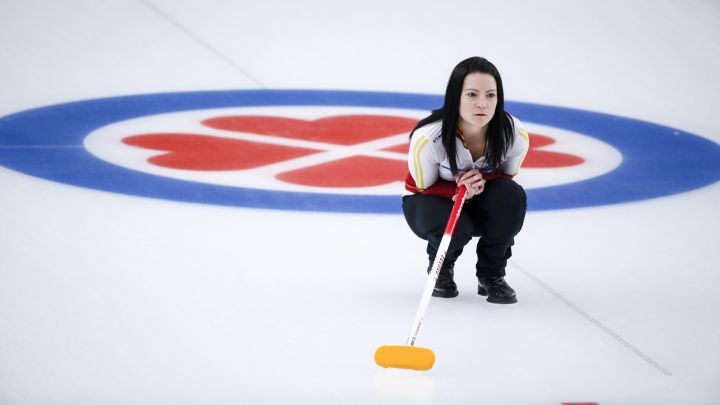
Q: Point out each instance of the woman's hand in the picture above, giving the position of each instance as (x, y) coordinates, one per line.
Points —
(473, 182)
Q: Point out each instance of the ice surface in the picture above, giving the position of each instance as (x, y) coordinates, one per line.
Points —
(107, 298)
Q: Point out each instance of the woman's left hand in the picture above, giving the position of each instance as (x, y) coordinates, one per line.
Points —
(473, 182)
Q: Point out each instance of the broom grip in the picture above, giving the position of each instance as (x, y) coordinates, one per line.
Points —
(437, 265)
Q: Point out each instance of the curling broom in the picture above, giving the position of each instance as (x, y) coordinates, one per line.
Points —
(409, 356)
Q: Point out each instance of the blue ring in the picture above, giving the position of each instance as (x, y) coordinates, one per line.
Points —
(47, 142)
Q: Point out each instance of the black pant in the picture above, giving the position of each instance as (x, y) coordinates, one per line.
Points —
(497, 215)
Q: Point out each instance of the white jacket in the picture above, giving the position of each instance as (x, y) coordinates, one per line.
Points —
(428, 161)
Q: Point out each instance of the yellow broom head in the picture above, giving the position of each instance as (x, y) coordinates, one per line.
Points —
(410, 357)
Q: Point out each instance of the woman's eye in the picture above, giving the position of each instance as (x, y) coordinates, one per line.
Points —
(471, 94)
(492, 95)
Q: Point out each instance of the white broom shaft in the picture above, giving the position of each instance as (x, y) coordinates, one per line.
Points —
(429, 286)
(437, 265)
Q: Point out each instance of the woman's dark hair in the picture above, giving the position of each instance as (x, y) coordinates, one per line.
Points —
(500, 129)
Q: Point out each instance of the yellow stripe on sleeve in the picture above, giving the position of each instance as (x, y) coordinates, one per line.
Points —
(419, 179)
(523, 133)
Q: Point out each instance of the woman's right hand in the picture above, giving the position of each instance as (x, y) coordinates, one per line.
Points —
(473, 182)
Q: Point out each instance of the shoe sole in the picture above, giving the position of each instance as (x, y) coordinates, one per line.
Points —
(445, 295)
(482, 291)
(502, 301)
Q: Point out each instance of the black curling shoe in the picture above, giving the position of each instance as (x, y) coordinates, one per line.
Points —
(497, 290)
(445, 286)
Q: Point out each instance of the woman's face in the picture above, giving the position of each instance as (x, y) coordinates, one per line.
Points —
(478, 100)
